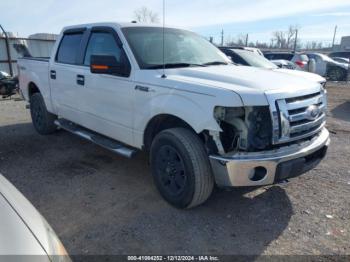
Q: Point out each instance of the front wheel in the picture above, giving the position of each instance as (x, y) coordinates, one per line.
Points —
(43, 120)
(181, 168)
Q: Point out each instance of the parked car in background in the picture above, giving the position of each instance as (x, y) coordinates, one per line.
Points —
(248, 58)
(284, 64)
(345, 54)
(327, 67)
(23, 231)
(8, 84)
(300, 60)
(341, 59)
(270, 55)
(252, 49)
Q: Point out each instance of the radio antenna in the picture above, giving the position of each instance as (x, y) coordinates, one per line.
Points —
(163, 76)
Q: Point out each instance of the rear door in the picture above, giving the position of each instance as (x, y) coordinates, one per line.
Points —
(65, 71)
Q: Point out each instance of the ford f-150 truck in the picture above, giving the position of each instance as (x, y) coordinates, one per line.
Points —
(203, 120)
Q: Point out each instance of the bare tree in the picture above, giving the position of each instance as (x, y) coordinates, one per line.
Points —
(314, 45)
(319, 45)
(145, 15)
(291, 34)
(284, 39)
(261, 45)
(239, 40)
(280, 39)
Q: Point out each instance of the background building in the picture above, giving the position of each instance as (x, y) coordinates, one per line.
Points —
(37, 45)
(345, 43)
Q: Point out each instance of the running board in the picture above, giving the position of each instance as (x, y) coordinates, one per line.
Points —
(96, 138)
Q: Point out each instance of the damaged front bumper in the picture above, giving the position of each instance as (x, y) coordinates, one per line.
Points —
(269, 167)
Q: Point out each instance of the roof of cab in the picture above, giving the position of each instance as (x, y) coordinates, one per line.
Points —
(111, 24)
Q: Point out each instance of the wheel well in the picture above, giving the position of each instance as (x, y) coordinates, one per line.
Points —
(160, 123)
(32, 89)
(342, 70)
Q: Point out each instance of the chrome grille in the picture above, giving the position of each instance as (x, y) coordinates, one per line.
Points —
(299, 117)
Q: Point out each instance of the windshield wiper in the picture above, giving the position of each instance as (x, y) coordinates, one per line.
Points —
(174, 65)
(215, 63)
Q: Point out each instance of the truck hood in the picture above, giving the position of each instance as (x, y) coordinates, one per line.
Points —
(242, 78)
(306, 75)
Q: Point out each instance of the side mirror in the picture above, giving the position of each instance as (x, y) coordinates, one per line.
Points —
(105, 64)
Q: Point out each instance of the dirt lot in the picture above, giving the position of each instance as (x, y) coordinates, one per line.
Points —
(99, 203)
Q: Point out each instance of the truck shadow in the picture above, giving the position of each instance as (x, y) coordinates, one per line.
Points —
(342, 111)
(102, 204)
(229, 223)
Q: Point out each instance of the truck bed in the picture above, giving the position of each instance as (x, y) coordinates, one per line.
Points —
(34, 70)
(42, 59)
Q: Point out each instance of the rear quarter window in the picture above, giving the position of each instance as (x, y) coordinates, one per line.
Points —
(69, 48)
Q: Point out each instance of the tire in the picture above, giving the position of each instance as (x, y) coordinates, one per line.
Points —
(43, 120)
(181, 168)
(337, 74)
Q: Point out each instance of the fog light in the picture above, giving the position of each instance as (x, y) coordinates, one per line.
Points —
(258, 174)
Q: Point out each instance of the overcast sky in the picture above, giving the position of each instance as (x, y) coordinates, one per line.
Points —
(315, 18)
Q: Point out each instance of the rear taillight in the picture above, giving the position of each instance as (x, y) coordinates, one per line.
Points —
(300, 63)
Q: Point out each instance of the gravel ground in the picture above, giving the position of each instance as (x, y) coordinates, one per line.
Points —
(99, 203)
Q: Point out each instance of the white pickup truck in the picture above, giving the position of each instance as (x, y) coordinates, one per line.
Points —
(204, 121)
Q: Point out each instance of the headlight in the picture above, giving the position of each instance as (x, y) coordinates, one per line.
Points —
(248, 128)
(228, 113)
(259, 124)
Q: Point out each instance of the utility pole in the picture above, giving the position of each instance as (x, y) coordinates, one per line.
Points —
(222, 37)
(9, 59)
(295, 40)
(246, 40)
(335, 33)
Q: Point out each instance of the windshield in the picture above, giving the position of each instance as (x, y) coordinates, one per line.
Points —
(255, 60)
(182, 48)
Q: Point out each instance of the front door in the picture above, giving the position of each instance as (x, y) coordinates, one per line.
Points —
(109, 99)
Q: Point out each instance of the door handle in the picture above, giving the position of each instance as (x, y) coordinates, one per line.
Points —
(80, 80)
(53, 74)
(144, 89)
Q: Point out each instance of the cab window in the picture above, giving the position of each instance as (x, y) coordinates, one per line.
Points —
(69, 48)
(102, 43)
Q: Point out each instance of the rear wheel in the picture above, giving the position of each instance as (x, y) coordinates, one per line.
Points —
(181, 168)
(337, 74)
(43, 120)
